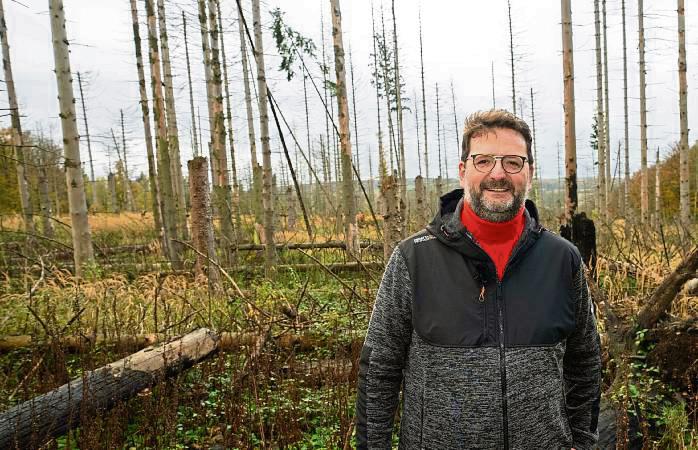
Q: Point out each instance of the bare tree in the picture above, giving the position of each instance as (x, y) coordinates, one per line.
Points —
(424, 109)
(626, 181)
(180, 204)
(163, 153)
(538, 184)
(17, 141)
(194, 136)
(400, 128)
(221, 180)
(267, 200)
(606, 114)
(80, 226)
(94, 204)
(351, 232)
(601, 188)
(145, 113)
(683, 118)
(229, 113)
(644, 192)
(570, 132)
(127, 180)
(511, 59)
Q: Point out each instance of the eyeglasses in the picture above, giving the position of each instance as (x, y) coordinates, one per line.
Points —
(510, 163)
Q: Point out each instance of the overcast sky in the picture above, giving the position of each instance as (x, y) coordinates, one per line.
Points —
(462, 39)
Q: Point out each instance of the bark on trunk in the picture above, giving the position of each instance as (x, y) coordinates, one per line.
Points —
(601, 188)
(391, 218)
(660, 300)
(685, 207)
(127, 181)
(569, 109)
(145, 113)
(201, 220)
(267, 200)
(22, 183)
(33, 423)
(235, 201)
(221, 180)
(94, 205)
(80, 227)
(351, 232)
(172, 129)
(163, 156)
(644, 176)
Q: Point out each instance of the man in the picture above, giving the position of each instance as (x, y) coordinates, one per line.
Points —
(484, 318)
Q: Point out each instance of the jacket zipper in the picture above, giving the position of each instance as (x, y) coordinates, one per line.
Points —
(502, 366)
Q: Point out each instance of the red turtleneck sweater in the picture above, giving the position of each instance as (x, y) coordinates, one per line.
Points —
(496, 238)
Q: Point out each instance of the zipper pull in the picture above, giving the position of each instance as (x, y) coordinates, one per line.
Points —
(482, 294)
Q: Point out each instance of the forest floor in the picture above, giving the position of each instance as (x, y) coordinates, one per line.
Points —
(298, 390)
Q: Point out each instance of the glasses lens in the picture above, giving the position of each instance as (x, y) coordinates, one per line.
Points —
(512, 163)
(483, 163)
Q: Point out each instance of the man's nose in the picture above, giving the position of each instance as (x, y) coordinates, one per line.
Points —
(497, 171)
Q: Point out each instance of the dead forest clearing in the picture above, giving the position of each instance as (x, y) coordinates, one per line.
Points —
(220, 299)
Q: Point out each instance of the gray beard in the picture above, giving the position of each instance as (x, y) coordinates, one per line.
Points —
(495, 212)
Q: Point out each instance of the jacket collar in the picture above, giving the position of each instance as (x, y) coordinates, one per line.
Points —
(448, 228)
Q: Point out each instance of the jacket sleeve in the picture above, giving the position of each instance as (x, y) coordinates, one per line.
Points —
(582, 369)
(383, 357)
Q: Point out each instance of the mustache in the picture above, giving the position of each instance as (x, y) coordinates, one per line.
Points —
(496, 184)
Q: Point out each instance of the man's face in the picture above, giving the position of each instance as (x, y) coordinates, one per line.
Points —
(496, 196)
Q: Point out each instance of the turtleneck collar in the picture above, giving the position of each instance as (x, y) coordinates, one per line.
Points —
(485, 231)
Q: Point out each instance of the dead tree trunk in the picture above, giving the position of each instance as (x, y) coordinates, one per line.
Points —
(80, 226)
(538, 183)
(113, 201)
(626, 180)
(657, 193)
(22, 184)
(400, 129)
(221, 180)
(145, 112)
(201, 219)
(255, 167)
(685, 206)
(606, 114)
(94, 205)
(511, 59)
(391, 218)
(267, 200)
(424, 110)
(351, 232)
(644, 177)
(195, 140)
(570, 132)
(33, 423)
(660, 300)
(127, 181)
(163, 157)
(235, 205)
(44, 200)
(420, 194)
(180, 205)
(601, 189)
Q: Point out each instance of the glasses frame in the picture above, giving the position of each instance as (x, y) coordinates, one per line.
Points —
(500, 159)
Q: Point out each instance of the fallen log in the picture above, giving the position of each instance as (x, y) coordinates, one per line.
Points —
(303, 246)
(33, 423)
(660, 300)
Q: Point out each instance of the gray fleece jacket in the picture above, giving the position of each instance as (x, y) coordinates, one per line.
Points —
(481, 363)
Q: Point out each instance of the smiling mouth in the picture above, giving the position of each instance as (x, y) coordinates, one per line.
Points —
(498, 190)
